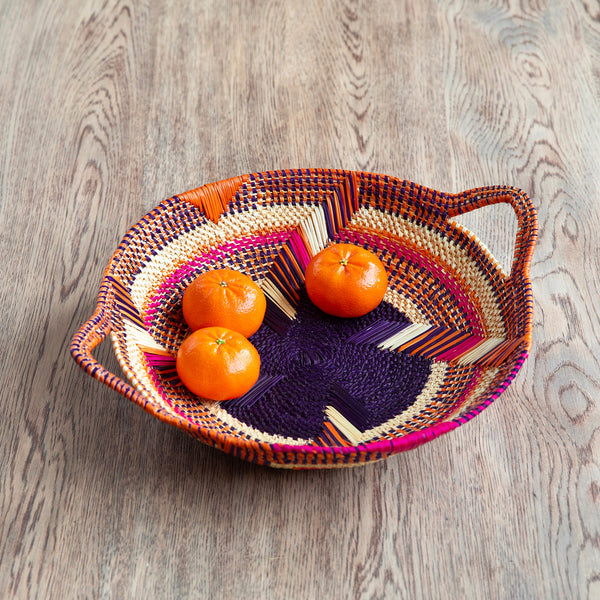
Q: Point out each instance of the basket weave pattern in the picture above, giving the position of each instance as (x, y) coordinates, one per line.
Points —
(450, 336)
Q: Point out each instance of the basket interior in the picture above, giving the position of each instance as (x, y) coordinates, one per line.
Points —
(444, 340)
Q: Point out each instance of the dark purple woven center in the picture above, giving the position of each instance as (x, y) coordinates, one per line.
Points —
(315, 360)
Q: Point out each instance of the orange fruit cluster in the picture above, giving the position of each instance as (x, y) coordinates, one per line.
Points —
(223, 308)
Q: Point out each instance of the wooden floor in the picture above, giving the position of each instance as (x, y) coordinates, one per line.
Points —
(107, 107)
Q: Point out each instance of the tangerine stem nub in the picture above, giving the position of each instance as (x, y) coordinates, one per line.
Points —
(220, 341)
(223, 284)
(344, 262)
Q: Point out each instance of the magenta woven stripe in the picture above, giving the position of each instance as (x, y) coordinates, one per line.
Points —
(176, 281)
(390, 252)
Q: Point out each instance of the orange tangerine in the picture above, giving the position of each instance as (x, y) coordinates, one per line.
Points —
(226, 298)
(217, 363)
(345, 280)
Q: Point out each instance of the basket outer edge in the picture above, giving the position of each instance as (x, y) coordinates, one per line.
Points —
(97, 327)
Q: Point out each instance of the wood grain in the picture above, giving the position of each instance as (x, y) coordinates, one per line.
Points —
(107, 107)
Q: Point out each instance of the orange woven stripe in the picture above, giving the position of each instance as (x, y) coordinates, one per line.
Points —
(213, 198)
(305, 241)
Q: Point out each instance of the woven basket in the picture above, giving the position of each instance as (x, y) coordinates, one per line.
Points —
(449, 337)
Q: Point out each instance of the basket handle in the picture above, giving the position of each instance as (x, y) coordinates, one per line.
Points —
(527, 229)
(89, 335)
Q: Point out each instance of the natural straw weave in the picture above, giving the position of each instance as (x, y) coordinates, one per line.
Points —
(449, 337)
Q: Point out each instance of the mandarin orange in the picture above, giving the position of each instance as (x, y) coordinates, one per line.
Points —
(345, 280)
(226, 298)
(217, 363)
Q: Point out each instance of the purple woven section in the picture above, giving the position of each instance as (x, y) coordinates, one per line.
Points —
(316, 361)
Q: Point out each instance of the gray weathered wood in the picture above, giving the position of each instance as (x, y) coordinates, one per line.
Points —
(107, 107)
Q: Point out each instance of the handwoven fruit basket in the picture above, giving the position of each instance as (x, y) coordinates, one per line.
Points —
(449, 337)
